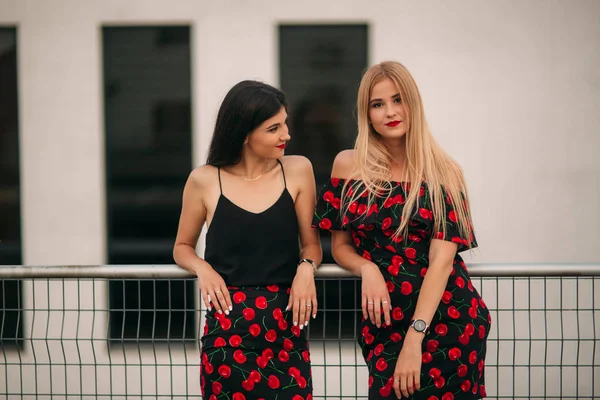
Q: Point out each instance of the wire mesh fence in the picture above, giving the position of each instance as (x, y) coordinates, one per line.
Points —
(117, 332)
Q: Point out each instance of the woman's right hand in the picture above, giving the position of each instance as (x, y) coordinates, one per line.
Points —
(375, 296)
(213, 289)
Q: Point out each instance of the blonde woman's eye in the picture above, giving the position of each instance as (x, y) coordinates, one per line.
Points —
(376, 105)
(398, 100)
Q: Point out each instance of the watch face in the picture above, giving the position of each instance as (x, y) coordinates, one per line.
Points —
(420, 325)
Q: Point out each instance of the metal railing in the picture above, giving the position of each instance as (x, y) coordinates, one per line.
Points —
(132, 332)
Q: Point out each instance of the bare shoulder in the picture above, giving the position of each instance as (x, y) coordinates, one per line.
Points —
(203, 177)
(297, 165)
(344, 164)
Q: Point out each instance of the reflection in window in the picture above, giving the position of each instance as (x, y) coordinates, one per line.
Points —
(320, 70)
(10, 205)
(148, 158)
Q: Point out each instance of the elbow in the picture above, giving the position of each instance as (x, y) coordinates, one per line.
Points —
(177, 252)
(448, 267)
(444, 267)
(336, 254)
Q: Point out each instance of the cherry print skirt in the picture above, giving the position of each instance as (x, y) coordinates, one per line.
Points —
(255, 352)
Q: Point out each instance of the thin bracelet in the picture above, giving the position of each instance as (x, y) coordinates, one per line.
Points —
(311, 262)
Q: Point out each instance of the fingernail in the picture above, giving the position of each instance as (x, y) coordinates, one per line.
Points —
(226, 312)
(220, 312)
(295, 323)
(306, 323)
(230, 308)
(314, 316)
(301, 327)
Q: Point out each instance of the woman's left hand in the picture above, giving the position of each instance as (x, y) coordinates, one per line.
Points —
(407, 376)
(303, 296)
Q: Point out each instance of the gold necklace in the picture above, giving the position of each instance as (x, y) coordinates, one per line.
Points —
(253, 179)
(258, 177)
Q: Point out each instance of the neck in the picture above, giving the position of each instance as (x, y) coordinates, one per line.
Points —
(397, 149)
(251, 166)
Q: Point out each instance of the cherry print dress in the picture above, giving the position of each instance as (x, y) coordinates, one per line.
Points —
(455, 346)
(255, 352)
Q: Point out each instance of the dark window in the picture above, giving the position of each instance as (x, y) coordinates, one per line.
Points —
(10, 204)
(147, 100)
(320, 70)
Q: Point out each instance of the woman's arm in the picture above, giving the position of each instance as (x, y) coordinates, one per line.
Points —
(441, 259)
(375, 296)
(310, 244)
(303, 294)
(191, 221)
(342, 248)
(408, 366)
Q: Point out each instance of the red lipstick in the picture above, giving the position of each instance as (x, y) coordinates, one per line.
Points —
(281, 146)
(393, 123)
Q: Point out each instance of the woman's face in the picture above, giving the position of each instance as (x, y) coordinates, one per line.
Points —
(270, 138)
(387, 114)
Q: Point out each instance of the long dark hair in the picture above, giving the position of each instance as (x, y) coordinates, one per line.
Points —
(245, 107)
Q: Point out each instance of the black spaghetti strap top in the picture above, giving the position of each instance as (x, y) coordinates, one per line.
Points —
(254, 249)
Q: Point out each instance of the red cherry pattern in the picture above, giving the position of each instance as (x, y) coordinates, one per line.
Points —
(255, 349)
(453, 352)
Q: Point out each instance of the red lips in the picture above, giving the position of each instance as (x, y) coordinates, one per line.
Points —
(281, 146)
(393, 123)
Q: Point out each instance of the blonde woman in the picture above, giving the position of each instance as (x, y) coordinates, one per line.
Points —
(398, 209)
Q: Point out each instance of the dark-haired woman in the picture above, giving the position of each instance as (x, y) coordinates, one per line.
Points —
(257, 275)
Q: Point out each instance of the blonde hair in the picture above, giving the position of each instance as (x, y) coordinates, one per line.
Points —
(426, 161)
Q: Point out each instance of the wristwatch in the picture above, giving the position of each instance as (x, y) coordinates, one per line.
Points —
(419, 325)
(309, 261)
